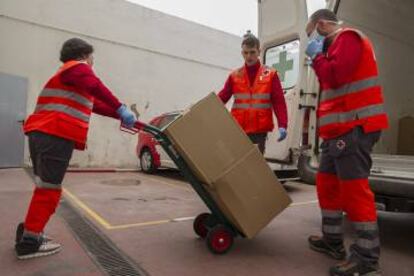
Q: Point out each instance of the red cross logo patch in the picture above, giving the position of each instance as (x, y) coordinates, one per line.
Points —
(340, 144)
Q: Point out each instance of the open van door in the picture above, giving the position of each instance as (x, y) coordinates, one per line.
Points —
(392, 173)
(284, 40)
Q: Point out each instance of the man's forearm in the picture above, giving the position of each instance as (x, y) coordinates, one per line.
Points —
(279, 103)
(226, 93)
(103, 109)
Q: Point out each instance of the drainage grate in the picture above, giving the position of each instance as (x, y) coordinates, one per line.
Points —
(105, 254)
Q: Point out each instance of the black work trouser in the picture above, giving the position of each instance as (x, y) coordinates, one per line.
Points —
(343, 186)
(259, 139)
(50, 158)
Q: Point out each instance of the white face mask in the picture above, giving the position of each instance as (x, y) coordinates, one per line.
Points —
(316, 35)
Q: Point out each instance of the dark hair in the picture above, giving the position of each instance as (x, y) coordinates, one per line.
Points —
(250, 40)
(75, 49)
(324, 14)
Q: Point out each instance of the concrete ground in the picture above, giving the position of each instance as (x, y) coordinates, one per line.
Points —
(149, 218)
(15, 193)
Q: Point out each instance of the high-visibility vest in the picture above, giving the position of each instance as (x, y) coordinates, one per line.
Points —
(252, 107)
(62, 110)
(358, 102)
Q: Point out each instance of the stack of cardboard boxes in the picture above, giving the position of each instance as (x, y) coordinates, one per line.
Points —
(232, 169)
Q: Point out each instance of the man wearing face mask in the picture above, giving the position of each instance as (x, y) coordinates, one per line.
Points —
(256, 90)
(350, 119)
(59, 125)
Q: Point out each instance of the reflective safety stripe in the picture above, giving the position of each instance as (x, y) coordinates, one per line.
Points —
(256, 96)
(262, 105)
(47, 92)
(261, 96)
(332, 229)
(241, 96)
(366, 226)
(31, 234)
(360, 113)
(332, 214)
(349, 88)
(241, 106)
(246, 106)
(63, 108)
(368, 244)
(42, 184)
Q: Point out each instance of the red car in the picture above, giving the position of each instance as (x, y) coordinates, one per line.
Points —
(150, 153)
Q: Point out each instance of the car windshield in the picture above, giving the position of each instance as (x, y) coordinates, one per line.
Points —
(155, 122)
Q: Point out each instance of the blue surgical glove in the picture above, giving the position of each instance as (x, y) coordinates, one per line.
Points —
(127, 117)
(282, 134)
(315, 46)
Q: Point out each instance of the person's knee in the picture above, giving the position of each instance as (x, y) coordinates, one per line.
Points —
(329, 191)
(358, 200)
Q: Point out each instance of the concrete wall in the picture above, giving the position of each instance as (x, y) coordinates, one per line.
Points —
(144, 56)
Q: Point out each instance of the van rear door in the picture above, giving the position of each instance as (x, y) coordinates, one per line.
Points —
(282, 33)
(392, 174)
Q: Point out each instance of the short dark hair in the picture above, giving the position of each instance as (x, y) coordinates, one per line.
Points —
(250, 40)
(75, 49)
(324, 14)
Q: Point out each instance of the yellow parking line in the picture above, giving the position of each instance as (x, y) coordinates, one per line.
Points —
(139, 224)
(183, 219)
(303, 203)
(155, 222)
(88, 210)
(109, 226)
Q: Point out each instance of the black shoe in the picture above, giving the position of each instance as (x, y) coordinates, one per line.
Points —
(20, 231)
(351, 268)
(336, 251)
(30, 247)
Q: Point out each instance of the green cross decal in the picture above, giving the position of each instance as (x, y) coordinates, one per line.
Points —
(283, 66)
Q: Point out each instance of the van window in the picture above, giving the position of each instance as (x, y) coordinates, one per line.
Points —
(285, 59)
(314, 5)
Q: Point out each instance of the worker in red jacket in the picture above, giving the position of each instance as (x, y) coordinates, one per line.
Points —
(257, 91)
(351, 117)
(59, 125)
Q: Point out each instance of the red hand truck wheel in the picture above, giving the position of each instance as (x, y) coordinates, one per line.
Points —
(219, 239)
(199, 225)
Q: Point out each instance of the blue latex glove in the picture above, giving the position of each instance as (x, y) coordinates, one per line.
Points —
(127, 117)
(282, 134)
(315, 46)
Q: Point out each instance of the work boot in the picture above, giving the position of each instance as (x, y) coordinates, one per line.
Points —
(335, 250)
(20, 231)
(31, 247)
(354, 268)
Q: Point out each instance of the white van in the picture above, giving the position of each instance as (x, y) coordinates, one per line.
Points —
(390, 26)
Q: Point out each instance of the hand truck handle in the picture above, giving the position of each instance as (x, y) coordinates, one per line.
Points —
(140, 126)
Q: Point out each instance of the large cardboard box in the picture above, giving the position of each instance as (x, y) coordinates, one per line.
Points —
(231, 167)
